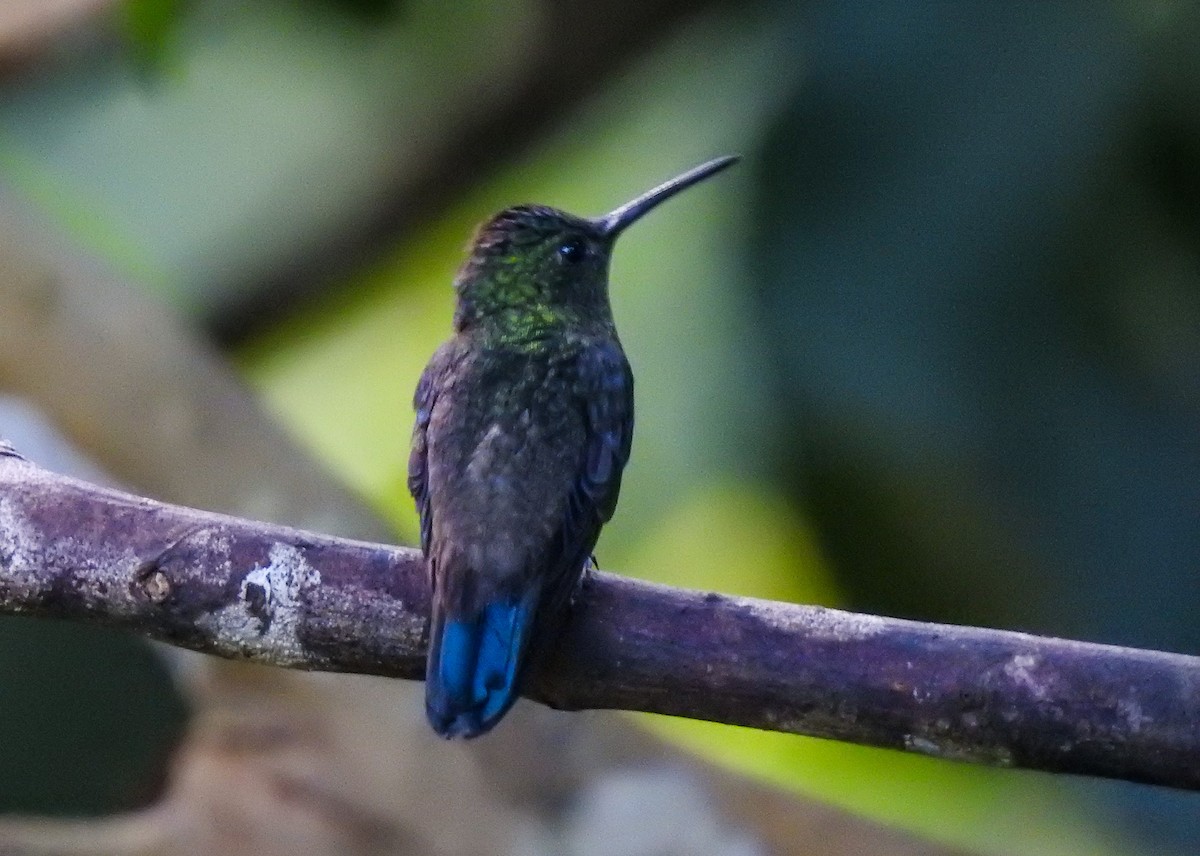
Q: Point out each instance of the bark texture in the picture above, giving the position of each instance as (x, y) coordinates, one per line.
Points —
(247, 590)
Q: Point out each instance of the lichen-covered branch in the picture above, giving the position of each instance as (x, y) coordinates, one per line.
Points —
(238, 588)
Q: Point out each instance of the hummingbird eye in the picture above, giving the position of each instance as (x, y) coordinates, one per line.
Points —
(572, 251)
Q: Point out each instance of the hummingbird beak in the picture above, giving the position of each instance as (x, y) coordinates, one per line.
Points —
(614, 223)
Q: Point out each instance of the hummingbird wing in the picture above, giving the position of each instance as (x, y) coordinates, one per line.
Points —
(605, 382)
(418, 458)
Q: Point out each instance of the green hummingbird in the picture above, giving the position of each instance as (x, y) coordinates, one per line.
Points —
(524, 424)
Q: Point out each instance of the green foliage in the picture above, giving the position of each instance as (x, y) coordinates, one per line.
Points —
(151, 28)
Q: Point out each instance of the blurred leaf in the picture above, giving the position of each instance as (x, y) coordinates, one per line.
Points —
(152, 28)
(736, 537)
(986, 810)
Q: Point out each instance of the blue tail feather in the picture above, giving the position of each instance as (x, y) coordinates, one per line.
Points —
(474, 669)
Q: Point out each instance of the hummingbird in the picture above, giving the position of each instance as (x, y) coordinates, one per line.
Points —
(524, 420)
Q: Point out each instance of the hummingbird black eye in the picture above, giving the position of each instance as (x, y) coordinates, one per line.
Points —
(572, 251)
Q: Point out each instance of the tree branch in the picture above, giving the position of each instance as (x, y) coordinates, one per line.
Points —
(243, 589)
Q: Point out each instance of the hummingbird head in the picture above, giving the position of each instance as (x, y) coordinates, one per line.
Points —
(533, 268)
(533, 263)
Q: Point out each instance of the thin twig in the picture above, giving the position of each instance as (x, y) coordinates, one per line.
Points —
(243, 589)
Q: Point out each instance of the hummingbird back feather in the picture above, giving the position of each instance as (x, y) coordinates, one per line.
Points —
(516, 465)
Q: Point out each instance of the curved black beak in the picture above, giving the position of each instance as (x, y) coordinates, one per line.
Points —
(613, 223)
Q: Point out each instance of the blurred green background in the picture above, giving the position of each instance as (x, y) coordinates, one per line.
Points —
(931, 350)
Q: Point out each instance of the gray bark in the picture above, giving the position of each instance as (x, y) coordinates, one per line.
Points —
(243, 589)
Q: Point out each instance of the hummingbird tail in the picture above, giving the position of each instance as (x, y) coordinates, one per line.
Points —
(474, 668)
